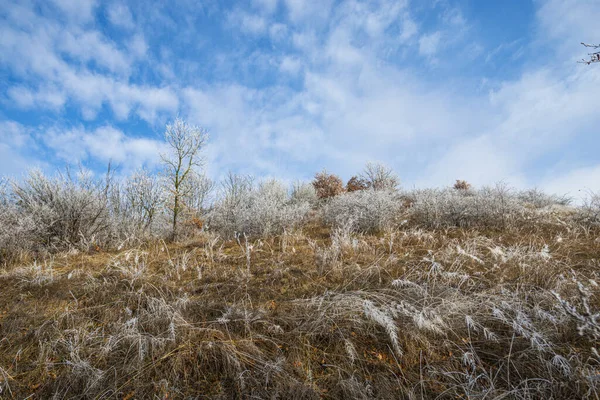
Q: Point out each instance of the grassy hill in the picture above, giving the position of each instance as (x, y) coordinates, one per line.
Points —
(428, 298)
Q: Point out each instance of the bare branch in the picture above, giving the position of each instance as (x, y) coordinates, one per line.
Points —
(594, 57)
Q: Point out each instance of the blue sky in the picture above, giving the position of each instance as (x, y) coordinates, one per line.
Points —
(439, 90)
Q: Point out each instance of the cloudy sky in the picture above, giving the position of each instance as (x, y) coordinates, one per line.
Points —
(437, 89)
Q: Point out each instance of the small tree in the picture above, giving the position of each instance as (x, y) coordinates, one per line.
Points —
(355, 184)
(594, 57)
(185, 142)
(327, 185)
(380, 177)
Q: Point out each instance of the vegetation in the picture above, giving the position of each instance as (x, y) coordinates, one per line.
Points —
(327, 185)
(185, 142)
(273, 293)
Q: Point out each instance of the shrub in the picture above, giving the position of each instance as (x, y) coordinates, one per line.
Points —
(143, 198)
(589, 212)
(255, 210)
(538, 199)
(15, 228)
(303, 192)
(327, 185)
(66, 210)
(365, 210)
(462, 185)
(488, 207)
(355, 184)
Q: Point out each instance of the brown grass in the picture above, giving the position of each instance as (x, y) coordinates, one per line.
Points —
(406, 313)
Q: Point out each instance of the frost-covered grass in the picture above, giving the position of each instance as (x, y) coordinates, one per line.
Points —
(341, 311)
(377, 293)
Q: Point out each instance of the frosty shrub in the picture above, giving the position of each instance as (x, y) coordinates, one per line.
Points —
(15, 229)
(538, 199)
(66, 209)
(327, 185)
(492, 207)
(197, 193)
(303, 192)
(589, 212)
(365, 210)
(263, 209)
(144, 198)
(137, 208)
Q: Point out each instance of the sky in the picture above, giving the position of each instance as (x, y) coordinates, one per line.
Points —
(438, 90)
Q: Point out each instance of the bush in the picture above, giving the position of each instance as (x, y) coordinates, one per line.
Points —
(538, 199)
(589, 212)
(15, 228)
(365, 210)
(303, 193)
(495, 207)
(263, 210)
(66, 210)
(462, 185)
(327, 185)
(355, 184)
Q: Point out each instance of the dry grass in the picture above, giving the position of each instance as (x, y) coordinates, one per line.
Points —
(318, 312)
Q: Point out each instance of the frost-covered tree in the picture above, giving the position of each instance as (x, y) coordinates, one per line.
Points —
(185, 143)
(380, 177)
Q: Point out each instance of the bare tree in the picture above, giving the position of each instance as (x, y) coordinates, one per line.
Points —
(185, 142)
(594, 57)
(380, 177)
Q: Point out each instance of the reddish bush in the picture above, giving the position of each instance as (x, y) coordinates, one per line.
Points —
(327, 185)
(355, 183)
(462, 185)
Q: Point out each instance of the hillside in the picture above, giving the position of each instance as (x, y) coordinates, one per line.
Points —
(428, 299)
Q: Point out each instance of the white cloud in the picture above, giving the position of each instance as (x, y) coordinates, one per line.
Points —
(138, 46)
(299, 10)
(46, 97)
(77, 10)
(104, 144)
(119, 15)
(35, 53)
(290, 65)
(16, 149)
(577, 183)
(277, 32)
(91, 46)
(247, 22)
(429, 44)
(566, 23)
(269, 6)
